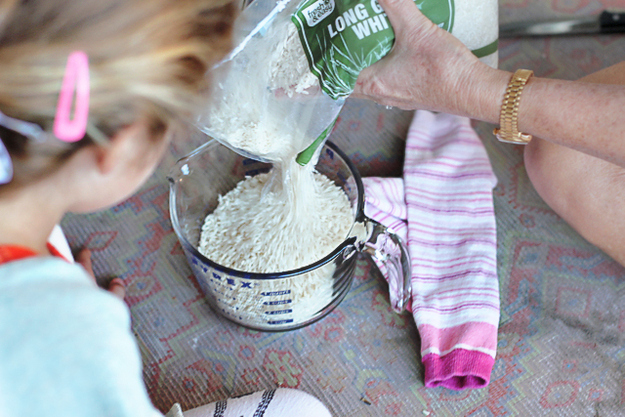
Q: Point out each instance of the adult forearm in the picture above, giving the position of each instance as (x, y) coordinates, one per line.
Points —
(584, 115)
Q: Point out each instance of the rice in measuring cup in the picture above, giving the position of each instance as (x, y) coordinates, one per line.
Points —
(259, 226)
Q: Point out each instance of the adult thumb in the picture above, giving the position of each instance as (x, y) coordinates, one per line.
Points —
(403, 15)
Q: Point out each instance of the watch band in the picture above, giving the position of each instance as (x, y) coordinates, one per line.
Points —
(508, 119)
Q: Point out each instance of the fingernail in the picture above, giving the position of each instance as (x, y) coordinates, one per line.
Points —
(117, 281)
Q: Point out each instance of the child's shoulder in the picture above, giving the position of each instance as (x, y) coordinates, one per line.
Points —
(50, 289)
(76, 335)
(41, 273)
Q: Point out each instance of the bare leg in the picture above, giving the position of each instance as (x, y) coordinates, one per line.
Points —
(587, 192)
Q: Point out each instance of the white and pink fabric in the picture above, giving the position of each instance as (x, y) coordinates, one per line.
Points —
(443, 209)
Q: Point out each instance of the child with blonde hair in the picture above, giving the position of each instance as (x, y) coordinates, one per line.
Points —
(90, 94)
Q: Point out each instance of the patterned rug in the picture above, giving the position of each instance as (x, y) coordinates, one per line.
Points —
(561, 348)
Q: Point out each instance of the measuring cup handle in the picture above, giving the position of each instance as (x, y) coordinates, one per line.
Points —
(389, 249)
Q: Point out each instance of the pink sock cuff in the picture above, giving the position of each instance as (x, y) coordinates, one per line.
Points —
(458, 370)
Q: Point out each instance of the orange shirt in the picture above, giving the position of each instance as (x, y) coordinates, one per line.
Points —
(10, 253)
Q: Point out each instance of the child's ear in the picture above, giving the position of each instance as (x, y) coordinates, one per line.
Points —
(121, 147)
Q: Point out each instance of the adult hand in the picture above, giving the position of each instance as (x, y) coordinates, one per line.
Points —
(428, 68)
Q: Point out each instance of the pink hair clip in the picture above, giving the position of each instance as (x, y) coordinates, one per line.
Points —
(76, 79)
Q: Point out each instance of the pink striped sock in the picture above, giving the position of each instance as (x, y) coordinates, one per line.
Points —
(451, 236)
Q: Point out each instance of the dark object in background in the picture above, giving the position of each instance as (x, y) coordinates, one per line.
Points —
(608, 22)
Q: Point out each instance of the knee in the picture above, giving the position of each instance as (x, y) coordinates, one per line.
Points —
(585, 191)
(541, 167)
(531, 155)
(534, 159)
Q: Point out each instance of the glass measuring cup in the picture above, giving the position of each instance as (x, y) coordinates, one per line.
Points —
(289, 299)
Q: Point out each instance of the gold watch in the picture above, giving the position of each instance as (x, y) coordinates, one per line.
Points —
(508, 119)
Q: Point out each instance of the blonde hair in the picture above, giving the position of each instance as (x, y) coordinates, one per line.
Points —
(147, 58)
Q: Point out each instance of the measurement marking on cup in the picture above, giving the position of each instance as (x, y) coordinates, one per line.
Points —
(271, 293)
(276, 302)
(280, 321)
(275, 312)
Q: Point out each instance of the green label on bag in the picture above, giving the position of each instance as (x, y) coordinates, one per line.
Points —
(342, 38)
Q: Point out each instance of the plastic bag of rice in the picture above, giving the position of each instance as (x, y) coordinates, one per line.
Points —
(282, 87)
